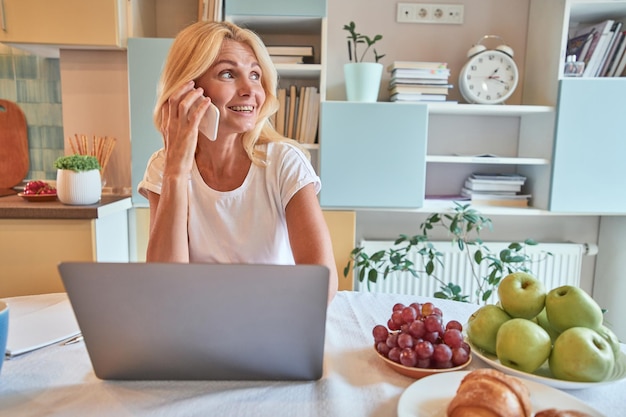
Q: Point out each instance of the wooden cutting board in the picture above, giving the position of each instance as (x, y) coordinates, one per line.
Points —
(14, 161)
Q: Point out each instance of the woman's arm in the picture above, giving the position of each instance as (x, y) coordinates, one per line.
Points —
(308, 234)
(168, 240)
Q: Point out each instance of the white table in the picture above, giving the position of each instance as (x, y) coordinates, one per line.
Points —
(58, 380)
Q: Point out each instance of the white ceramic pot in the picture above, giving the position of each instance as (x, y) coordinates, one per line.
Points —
(79, 187)
(363, 81)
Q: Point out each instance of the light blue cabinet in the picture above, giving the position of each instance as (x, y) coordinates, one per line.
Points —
(309, 8)
(146, 57)
(590, 147)
(373, 155)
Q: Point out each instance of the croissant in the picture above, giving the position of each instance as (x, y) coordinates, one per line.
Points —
(553, 412)
(490, 393)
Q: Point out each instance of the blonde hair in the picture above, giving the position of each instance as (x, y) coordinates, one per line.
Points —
(194, 51)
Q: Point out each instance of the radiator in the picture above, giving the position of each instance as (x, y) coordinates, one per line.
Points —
(563, 267)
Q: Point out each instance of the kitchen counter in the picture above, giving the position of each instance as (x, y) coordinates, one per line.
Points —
(15, 207)
(36, 236)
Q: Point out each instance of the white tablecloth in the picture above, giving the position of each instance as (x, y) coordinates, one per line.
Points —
(59, 381)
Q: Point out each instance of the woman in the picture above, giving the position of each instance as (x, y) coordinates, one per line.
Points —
(250, 196)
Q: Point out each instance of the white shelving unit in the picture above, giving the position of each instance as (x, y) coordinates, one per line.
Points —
(518, 138)
(589, 121)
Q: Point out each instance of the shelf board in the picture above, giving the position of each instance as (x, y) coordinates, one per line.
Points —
(452, 159)
(447, 206)
(434, 205)
(486, 110)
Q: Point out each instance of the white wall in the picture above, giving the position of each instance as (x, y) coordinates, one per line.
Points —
(424, 42)
(94, 87)
(610, 286)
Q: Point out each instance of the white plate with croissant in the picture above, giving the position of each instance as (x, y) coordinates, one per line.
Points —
(544, 376)
(433, 395)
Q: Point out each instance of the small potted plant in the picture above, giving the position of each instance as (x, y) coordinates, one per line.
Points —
(78, 179)
(362, 78)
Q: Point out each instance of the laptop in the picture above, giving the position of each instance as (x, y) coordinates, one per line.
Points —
(172, 321)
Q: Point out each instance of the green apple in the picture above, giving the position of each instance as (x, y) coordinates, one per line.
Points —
(569, 306)
(523, 345)
(542, 320)
(522, 295)
(482, 326)
(581, 354)
(610, 337)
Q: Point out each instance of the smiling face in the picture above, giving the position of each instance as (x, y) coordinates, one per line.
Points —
(233, 83)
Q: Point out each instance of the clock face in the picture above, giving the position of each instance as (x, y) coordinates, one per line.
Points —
(488, 78)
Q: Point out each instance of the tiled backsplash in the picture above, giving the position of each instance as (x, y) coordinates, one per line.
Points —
(34, 83)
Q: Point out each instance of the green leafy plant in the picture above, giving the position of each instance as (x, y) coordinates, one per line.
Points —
(355, 38)
(463, 225)
(77, 162)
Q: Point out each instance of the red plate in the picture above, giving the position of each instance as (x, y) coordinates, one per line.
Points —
(38, 197)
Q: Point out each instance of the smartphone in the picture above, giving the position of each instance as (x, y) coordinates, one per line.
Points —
(210, 121)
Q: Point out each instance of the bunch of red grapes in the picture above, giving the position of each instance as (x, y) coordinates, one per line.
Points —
(38, 187)
(416, 336)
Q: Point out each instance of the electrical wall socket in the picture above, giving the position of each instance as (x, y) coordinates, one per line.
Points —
(451, 14)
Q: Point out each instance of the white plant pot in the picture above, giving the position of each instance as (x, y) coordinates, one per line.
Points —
(363, 81)
(79, 188)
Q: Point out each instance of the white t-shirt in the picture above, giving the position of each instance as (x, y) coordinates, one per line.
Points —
(245, 225)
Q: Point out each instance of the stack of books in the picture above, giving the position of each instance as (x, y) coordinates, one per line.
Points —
(601, 47)
(495, 190)
(298, 114)
(291, 54)
(419, 81)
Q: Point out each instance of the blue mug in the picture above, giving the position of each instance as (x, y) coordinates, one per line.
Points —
(4, 330)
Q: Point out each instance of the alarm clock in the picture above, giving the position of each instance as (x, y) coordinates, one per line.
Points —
(490, 76)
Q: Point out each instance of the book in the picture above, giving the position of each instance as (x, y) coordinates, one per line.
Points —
(210, 10)
(619, 51)
(281, 94)
(602, 35)
(478, 194)
(424, 74)
(297, 50)
(418, 97)
(287, 59)
(500, 202)
(579, 45)
(497, 176)
(291, 115)
(589, 33)
(609, 50)
(472, 184)
(423, 89)
(427, 81)
(492, 195)
(302, 111)
(619, 71)
(417, 65)
(312, 116)
(218, 11)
